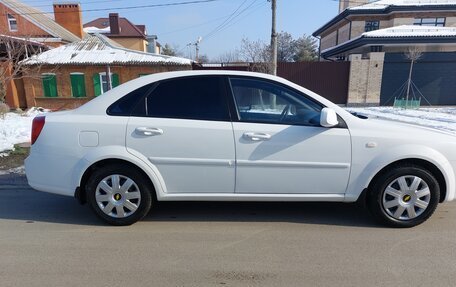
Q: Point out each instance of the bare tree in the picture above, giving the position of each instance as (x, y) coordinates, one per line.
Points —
(258, 54)
(13, 51)
(413, 54)
(203, 59)
(229, 57)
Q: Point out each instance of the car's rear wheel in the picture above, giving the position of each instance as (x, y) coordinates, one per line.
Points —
(119, 194)
(403, 196)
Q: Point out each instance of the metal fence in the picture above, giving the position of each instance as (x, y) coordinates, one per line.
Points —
(328, 79)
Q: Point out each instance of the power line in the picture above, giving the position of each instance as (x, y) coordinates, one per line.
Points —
(228, 18)
(245, 16)
(227, 24)
(83, 3)
(193, 26)
(122, 8)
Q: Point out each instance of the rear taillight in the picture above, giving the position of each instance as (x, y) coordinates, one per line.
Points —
(37, 127)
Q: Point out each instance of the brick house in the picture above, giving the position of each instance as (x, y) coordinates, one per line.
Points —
(374, 35)
(124, 32)
(35, 31)
(76, 73)
(21, 20)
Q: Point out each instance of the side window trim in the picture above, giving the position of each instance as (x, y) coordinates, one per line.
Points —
(233, 99)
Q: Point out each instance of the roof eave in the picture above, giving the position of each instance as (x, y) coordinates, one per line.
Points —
(362, 41)
(347, 12)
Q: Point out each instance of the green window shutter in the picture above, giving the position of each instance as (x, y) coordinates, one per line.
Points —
(97, 84)
(49, 86)
(78, 85)
(115, 80)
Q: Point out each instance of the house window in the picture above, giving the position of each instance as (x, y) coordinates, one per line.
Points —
(435, 22)
(376, 48)
(371, 26)
(100, 82)
(12, 22)
(77, 85)
(49, 85)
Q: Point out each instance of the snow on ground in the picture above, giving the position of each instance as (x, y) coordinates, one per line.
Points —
(439, 118)
(16, 128)
(17, 170)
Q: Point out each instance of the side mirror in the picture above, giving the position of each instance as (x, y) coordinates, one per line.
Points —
(328, 118)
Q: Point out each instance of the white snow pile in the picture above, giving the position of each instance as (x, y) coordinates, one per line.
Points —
(438, 118)
(16, 128)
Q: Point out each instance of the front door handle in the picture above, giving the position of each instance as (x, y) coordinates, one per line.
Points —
(257, 136)
(145, 131)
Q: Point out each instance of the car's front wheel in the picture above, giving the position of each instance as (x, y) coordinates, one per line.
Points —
(119, 194)
(403, 196)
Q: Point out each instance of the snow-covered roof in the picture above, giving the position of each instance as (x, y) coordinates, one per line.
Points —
(398, 32)
(382, 4)
(412, 31)
(99, 50)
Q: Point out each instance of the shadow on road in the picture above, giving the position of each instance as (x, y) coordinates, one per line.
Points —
(19, 202)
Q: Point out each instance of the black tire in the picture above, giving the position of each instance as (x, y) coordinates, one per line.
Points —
(141, 185)
(391, 215)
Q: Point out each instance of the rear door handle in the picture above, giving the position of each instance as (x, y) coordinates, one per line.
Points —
(145, 131)
(257, 136)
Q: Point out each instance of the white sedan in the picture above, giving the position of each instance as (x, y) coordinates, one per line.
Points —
(236, 136)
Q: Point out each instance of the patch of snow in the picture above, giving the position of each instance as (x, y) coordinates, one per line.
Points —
(382, 4)
(443, 119)
(412, 31)
(16, 170)
(92, 30)
(16, 128)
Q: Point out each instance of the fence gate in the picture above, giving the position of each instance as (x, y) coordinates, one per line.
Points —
(434, 78)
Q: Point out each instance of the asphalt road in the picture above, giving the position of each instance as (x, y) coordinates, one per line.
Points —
(49, 240)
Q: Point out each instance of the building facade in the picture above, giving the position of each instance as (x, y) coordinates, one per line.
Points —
(24, 31)
(365, 32)
(69, 76)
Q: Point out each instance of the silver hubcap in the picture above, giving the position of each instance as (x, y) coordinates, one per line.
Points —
(406, 197)
(118, 196)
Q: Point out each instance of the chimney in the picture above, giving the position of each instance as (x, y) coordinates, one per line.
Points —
(114, 23)
(69, 16)
(152, 44)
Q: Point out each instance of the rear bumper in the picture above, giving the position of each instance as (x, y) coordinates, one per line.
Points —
(50, 173)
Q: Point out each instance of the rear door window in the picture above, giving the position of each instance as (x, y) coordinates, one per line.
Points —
(198, 98)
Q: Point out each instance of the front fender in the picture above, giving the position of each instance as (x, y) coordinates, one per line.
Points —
(363, 173)
(121, 153)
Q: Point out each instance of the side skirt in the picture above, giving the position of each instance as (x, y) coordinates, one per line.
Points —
(253, 197)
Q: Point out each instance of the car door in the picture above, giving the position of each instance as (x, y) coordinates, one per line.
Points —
(281, 147)
(186, 133)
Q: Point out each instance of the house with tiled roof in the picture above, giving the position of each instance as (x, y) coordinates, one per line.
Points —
(75, 73)
(121, 30)
(375, 36)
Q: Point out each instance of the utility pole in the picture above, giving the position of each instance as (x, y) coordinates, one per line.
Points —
(196, 44)
(274, 37)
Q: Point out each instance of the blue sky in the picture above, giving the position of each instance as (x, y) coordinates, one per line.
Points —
(180, 25)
